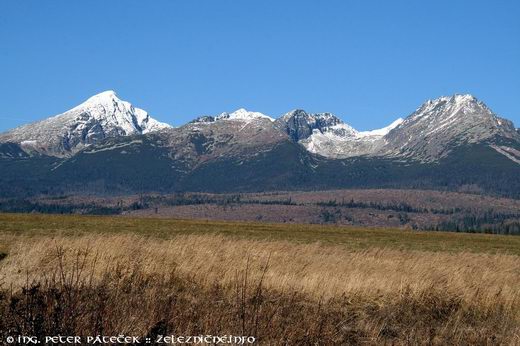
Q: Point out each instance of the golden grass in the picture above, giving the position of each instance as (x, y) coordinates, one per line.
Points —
(355, 238)
(285, 284)
(317, 270)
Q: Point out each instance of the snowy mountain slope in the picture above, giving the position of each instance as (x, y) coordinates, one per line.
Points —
(101, 116)
(381, 132)
(427, 135)
(240, 114)
(335, 142)
(327, 135)
(439, 125)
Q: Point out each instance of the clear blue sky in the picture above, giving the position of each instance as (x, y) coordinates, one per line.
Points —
(369, 62)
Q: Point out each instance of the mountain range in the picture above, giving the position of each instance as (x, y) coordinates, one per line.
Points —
(107, 146)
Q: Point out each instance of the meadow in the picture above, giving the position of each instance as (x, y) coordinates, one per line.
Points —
(281, 283)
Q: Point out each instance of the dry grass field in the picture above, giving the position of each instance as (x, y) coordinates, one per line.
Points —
(283, 284)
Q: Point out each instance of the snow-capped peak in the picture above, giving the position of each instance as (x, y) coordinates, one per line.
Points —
(242, 114)
(455, 98)
(106, 99)
(101, 116)
(438, 125)
(455, 102)
(464, 98)
(103, 96)
(108, 107)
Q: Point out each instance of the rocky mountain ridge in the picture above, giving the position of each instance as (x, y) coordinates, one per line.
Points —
(426, 135)
(432, 131)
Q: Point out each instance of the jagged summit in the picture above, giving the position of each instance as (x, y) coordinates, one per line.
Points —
(240, 114)
(320, 119)
(327, 135)
(456, 111)
(243, 114)
(102, 115)
(300, 125)
(457, 98)
(454, 102)
(440, 124)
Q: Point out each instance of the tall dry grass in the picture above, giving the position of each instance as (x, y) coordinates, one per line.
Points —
(281, 292)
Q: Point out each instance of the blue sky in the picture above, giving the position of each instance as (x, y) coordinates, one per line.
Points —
(369, 62)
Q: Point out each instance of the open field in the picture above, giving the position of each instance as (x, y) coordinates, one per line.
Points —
(351, 237)
(283, 283)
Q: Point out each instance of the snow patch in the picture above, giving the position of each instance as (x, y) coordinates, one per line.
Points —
(381, 132)
(29, 143)
(510, 153)
(342, 140)
(113, 147)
